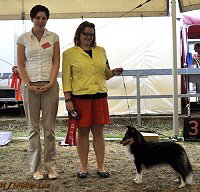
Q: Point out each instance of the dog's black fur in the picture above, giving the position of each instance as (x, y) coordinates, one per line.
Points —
(146, 154)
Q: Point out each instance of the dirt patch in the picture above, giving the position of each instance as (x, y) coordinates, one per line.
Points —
(14, 168)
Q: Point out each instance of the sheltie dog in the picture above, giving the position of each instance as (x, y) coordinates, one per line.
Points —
(147, 154)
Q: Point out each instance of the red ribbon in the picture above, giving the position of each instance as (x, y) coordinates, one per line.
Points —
(71, 133)
(16, 83)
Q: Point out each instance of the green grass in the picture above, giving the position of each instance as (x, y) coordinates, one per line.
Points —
(112, 135)
(20, 133)
(164, 131)
(60, 132)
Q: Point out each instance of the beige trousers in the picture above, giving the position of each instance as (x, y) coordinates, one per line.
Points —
(46, 103)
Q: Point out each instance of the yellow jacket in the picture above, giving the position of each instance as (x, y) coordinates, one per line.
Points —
(82, 74)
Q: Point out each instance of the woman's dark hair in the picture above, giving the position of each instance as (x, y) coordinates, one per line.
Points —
(80, 29)
(37, 9)
(197, 44)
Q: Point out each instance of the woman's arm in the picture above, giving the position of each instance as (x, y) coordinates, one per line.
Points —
(66, 72)
(66, 80)
(109, 74)
(56, 63)
(68, 101)
(67, 95)
(112, 73)
(21, 68)
(21, 63)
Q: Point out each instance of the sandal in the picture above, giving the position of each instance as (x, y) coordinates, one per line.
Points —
(82, 175)
(104, 174)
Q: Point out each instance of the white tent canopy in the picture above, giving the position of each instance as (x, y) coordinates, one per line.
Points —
(19, 9)
(60, 9)
(189, 5)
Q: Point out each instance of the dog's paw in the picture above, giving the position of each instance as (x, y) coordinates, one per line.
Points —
(135, 179)
(181, 185)
(138, 181)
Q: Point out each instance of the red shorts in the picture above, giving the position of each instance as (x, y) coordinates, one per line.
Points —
(91, 111)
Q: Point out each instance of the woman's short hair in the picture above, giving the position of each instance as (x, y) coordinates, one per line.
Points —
(197, 44)
(38, 8)
(80, 29)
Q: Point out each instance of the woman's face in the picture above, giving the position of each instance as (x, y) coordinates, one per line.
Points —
(40, 20)
(86, 37)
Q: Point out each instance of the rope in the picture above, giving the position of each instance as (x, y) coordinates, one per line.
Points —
(6, 62)
(140, 5)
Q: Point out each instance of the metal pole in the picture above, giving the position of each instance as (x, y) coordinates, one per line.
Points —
(174, 71)
(138, 101)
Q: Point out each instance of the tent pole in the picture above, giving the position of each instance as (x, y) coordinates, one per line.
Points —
(174, 71)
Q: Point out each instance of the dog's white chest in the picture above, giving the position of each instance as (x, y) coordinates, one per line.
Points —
(128, 152)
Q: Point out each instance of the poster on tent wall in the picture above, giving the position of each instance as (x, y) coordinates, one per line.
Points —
(138, 43)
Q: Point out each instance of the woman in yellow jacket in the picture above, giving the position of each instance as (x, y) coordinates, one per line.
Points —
(84, 73)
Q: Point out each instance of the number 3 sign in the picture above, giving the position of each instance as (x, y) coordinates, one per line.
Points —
(191, 129)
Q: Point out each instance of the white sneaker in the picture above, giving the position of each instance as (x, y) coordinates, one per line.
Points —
(53, 175)
(38, 176)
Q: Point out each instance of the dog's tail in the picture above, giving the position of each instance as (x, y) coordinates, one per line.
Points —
(188, 170)
(189, 178)
(183, 167)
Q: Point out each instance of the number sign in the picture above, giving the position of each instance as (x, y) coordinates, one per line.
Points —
(191, 129)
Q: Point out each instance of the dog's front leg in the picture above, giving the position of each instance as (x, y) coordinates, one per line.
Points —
(138, 178)
(182, 183)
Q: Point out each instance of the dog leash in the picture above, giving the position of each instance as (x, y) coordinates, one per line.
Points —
(125, 90)
(130, 119)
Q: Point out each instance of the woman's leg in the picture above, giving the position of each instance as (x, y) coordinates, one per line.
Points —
(49, 106)
(83, 147)
(99, 145)
(32, 110)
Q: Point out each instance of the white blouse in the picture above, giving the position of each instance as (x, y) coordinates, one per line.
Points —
(39, 55)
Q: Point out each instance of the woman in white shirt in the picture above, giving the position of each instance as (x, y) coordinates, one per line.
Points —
(38, 61)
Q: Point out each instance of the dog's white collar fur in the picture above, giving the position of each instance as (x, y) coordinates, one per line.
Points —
(128, 152)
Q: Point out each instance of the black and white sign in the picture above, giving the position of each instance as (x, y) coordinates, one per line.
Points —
(191, 129)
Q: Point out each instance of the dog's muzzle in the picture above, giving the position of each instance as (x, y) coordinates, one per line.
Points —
(125, 142)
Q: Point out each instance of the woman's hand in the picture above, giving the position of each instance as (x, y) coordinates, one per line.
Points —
(45, 88)
(35, 89)
(117, 71)
(39, 89)
(69, 106)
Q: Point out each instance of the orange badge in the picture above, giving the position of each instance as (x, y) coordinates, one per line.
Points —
(46, 45)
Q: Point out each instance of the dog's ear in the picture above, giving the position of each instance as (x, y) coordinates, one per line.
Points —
(130, 128)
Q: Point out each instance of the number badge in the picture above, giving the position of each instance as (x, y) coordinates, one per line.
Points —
(191, 130)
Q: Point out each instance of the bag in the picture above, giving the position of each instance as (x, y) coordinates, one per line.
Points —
(189, 60)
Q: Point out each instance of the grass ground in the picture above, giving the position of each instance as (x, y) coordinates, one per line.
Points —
(15, 175)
